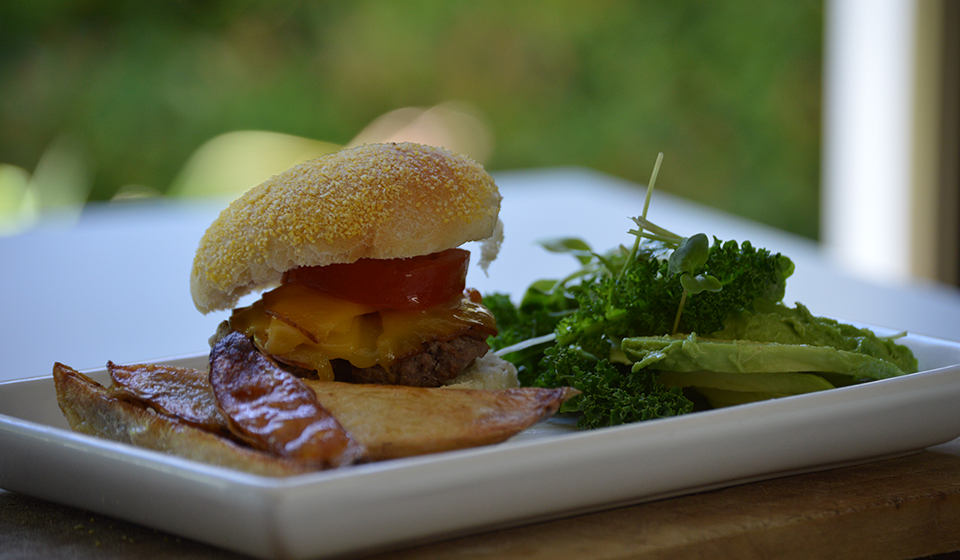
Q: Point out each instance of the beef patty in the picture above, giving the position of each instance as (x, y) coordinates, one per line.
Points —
(439, 362)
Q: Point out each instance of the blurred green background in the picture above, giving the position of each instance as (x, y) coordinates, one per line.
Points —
(102, 99)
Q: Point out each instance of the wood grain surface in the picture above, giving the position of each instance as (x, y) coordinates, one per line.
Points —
(906, 507)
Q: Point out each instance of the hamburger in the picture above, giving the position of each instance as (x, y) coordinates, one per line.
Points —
(362, 323)
(358, 256)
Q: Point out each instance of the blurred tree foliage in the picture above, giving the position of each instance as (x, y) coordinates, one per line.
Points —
(729, 91)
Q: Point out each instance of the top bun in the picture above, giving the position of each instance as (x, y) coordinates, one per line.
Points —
(380, 201)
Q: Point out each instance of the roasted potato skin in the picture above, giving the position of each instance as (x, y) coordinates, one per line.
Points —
(381, 421)
(272, 410)
(180, 392)
(90, 410)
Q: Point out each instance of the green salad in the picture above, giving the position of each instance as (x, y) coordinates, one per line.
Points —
(669, 324)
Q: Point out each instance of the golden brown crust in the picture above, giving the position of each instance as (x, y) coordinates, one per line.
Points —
(377, 201)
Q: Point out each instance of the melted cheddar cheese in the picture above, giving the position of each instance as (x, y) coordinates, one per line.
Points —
(305, 327)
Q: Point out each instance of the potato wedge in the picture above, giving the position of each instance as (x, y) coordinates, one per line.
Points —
(272, 410)
(90, 410)
(396, 421)
(388, 422)
(393, 421)
(175, 391)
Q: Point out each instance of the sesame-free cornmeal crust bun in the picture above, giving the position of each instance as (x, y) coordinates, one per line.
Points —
(379, 201)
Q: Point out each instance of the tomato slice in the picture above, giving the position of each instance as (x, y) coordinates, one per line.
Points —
(417, 282)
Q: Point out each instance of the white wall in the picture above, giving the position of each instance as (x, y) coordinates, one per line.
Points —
(880, 137)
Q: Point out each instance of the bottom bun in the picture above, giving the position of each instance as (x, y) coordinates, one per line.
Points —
(487, 372)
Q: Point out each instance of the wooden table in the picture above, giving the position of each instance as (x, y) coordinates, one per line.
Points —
(94, 283)
(906, 507)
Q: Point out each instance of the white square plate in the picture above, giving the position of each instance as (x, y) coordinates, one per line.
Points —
(549, 471)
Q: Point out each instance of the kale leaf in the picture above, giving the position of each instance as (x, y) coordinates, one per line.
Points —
(610, 394)
(583, 330)
(538, 314)
(644, 299)
(619, 295)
